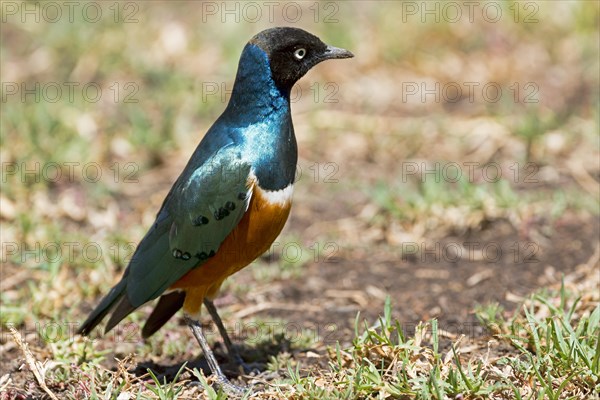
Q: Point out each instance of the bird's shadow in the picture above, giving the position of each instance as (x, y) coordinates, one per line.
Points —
(255, 356)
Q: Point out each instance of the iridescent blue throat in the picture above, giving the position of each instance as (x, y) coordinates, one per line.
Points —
(260, 112)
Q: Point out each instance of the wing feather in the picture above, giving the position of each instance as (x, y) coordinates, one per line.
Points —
(199, 213)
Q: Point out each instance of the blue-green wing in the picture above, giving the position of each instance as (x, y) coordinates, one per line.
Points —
(199, 213)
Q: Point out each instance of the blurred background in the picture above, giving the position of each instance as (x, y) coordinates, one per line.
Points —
(453, 162)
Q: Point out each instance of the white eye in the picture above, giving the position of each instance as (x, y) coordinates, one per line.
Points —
(299, 54)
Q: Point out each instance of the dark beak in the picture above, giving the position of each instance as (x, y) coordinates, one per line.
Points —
(330, 53)
(335, 52)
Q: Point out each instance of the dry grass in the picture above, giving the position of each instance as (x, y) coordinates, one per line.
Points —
(374, 176)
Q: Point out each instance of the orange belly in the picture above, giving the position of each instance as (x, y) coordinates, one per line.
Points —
(256, 231)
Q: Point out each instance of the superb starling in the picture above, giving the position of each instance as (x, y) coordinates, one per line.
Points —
(231, 200)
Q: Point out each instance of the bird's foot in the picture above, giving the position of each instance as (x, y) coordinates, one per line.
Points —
(230, 388)
(225, 384)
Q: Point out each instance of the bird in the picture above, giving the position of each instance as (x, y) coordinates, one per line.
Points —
(231, 200)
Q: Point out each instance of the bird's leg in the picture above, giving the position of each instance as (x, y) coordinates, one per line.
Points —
(233, 353)
(222, 381)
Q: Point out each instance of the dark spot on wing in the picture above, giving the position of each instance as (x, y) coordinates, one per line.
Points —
(181, 255)
(221, 213)
(200, 220)
(204, 255)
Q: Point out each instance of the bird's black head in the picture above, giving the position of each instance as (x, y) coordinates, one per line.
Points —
(292, 52)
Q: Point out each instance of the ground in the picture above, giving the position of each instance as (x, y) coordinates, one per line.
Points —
(449, 206)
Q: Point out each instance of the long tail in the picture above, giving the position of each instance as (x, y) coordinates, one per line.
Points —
(167, 306)
(146, 278)
(116, 295)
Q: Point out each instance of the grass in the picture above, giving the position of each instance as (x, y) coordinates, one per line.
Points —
(552, 350)
(384, 361)
(154, 109)
(561, 350)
